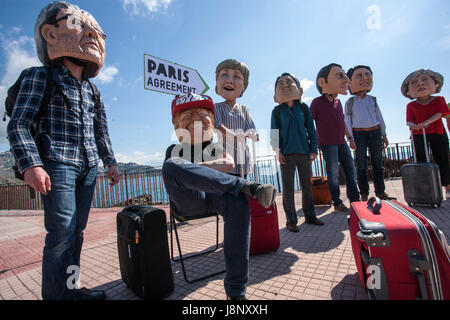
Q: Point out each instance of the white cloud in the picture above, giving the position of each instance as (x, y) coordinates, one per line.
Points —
(306, 84)
(139, 7)
(106, 75)
(20, 54)
(141, 158)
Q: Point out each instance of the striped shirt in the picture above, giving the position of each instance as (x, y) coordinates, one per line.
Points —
(71, 129)
(237, 120)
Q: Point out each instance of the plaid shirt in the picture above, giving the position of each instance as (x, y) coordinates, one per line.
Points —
(71, 130)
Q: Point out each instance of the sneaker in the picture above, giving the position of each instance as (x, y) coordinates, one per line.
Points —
(385, 196)
(364, 197)
(341, 208)
(292, 227)
(237, 298)
(264, 193)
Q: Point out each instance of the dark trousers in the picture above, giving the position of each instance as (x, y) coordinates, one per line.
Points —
(439, 148)
(369, 140)
(303, 165)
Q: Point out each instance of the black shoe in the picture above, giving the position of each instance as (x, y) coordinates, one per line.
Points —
(385, 196)
(292, 227)
(317, 222)
(264, 193)
(364, 197)
(87, 294)
(237, 298)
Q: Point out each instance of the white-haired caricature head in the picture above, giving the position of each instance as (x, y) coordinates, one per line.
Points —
(64, 30)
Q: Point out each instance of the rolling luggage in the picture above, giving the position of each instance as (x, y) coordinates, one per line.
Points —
(144, 252)
(264, 234)
(422, 181)
(399, 254)
(320, 189)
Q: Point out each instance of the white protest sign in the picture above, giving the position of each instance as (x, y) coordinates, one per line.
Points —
(168, 77)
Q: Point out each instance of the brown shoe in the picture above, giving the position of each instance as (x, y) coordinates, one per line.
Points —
(385, 196)
(364, 197)
(292, 227)
(317, 222)
(341, 208)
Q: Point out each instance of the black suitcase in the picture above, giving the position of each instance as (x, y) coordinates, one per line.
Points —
(422, 181)
(144, 252)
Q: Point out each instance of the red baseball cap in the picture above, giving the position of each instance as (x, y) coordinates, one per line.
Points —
(189, 101)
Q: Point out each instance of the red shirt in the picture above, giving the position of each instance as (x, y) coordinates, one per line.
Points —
(329, 117)
(418, 113)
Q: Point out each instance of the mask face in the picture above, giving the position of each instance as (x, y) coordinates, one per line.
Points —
(76, 34)
(195, 125)
(337, 82)
(230, 84)
(361, 81)
(287, 90)
(422, 86)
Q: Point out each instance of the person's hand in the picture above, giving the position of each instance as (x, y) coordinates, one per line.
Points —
(253, 136)
(422, 125)
(113, 175)
(312, 157)
(281, 158)
(38, 179)
(352, 144)
(385, 142)
(240, 136)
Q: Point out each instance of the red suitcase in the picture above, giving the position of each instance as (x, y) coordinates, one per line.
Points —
(265, 235)
(400, 255)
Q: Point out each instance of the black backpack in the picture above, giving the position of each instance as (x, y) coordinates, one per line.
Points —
(43, 140)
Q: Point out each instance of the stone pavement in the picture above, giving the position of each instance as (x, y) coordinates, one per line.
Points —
(314, 264)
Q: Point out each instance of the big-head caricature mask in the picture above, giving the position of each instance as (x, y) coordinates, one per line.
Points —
(64, 30)
(332, 80)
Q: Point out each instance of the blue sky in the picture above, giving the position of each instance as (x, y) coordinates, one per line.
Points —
(270, 36)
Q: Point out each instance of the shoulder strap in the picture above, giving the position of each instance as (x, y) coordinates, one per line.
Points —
(350, 106)
(95, 95)
(305, 111)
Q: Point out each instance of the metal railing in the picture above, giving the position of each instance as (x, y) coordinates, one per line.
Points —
(147, 187)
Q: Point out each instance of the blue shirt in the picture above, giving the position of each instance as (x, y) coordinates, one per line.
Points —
(298, 135)
(71, 129)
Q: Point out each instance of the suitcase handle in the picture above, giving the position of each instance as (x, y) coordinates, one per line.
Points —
(375, 209)
(372, 237)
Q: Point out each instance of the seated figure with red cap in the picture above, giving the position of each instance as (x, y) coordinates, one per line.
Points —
(196, 179)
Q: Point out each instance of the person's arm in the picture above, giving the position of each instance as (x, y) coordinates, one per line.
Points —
(109, 161)
(224, 164)
(350, 139)
(28, 102)
(429, 121)
(311, 135)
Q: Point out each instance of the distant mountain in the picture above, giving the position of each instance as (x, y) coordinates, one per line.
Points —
(7, 173)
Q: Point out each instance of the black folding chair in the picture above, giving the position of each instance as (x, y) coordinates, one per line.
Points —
(173, 227)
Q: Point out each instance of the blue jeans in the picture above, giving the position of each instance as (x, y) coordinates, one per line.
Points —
(333, 155)
(66, 210)
(197, 190)
(369, 140)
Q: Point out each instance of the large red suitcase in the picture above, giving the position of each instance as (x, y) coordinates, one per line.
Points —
(400, 255)
(265, 235)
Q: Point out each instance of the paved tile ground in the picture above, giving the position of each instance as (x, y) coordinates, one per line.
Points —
(314, 264)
